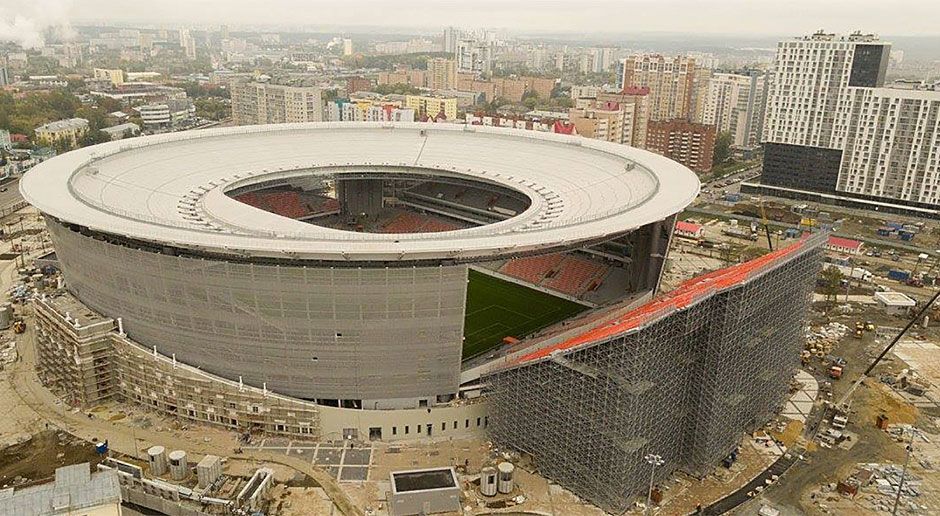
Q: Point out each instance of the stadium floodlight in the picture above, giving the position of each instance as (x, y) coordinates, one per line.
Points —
(653, 460)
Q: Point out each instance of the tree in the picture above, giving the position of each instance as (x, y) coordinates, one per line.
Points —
(93, 136)
(530, 99)
(722, 148)
(831, 279)
(398, 89)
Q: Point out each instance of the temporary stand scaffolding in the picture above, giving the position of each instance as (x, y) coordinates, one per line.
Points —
(684, 377)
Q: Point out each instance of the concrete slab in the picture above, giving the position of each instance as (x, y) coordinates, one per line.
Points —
(328, 456)
(354, 473)
(357, 457)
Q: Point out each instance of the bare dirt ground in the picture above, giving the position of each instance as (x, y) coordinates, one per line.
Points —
(805, 489)
(35, 461)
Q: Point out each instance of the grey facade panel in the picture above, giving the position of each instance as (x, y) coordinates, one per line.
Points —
(686, 387)
(869, 65)
(802, 167)
(313, 333)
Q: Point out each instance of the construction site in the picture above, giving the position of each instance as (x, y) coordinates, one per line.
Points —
(765, 375)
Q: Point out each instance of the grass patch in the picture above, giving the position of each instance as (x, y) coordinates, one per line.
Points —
(498, 308)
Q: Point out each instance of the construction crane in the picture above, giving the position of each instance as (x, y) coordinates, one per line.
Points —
(843, 402)
(763, 219)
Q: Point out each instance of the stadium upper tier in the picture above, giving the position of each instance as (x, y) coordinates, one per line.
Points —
(173, 190)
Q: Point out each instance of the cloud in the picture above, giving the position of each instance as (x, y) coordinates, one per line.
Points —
(28, 23)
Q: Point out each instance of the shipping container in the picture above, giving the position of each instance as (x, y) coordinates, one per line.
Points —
(899, 275)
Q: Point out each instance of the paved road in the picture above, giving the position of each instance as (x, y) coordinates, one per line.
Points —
(12, 193)
(741, 495)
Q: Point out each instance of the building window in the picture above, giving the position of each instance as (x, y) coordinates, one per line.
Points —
(394, 430)
(406, 429)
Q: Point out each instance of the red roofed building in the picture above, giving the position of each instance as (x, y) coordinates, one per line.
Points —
(689, 230)
(560, 127)
(844, 245)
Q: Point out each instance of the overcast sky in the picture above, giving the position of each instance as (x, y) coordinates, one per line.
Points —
(751, 17)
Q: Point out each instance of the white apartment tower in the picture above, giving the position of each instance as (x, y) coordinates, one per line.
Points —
(263, 103)
(451, 35)
(735, 103)
(474, 56)
(833, 128)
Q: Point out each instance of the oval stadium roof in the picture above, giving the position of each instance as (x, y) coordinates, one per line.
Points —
(170, 189)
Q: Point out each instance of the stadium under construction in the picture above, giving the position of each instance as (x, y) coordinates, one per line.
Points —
(412, 281)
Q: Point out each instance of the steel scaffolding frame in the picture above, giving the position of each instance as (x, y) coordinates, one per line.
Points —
(685, 382)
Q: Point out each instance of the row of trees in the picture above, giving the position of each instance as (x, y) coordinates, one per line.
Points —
(22, 115)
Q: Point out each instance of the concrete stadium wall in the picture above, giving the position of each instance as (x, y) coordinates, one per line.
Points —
(388, 337)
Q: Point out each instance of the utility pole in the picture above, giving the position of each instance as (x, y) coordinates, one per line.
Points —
(653, 460)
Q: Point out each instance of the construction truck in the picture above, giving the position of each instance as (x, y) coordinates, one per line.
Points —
(835, 372)
(19, 326)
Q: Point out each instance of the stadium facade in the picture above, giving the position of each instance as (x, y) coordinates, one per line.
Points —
(683, 377)
(147, 230)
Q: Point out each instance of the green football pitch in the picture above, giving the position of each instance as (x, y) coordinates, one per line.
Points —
(498, 308)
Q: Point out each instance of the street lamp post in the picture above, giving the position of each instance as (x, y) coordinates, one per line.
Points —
(907, 459)
(653, 460)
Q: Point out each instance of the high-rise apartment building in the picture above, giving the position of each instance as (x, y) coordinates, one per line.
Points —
(263, 103)
(689, 143)
(347, 47)
(451, 35)
(833, 128)
(735, 104)
(601, 59)
(474, 56)
(676, 85)
(188, 44)
(5, 78)
(442, 74)
(634, 104)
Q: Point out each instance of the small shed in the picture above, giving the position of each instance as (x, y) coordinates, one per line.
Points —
(894, 303)
(424, 491)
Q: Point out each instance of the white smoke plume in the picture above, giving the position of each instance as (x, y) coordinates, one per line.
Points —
(27, 23)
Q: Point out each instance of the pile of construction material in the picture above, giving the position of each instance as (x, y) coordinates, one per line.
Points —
(886, 480)
(7, 353)
(819, 342)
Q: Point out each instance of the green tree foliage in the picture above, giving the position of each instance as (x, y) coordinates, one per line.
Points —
(93, 136)
(22, 115)
(722, 148)
(399, 89)
(194, 90)
(831, 279)
(212, 108)
(418, 61)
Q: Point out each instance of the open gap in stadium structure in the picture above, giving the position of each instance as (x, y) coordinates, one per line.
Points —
(147, 230)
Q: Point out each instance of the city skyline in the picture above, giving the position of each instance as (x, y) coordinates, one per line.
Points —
(731, 17)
